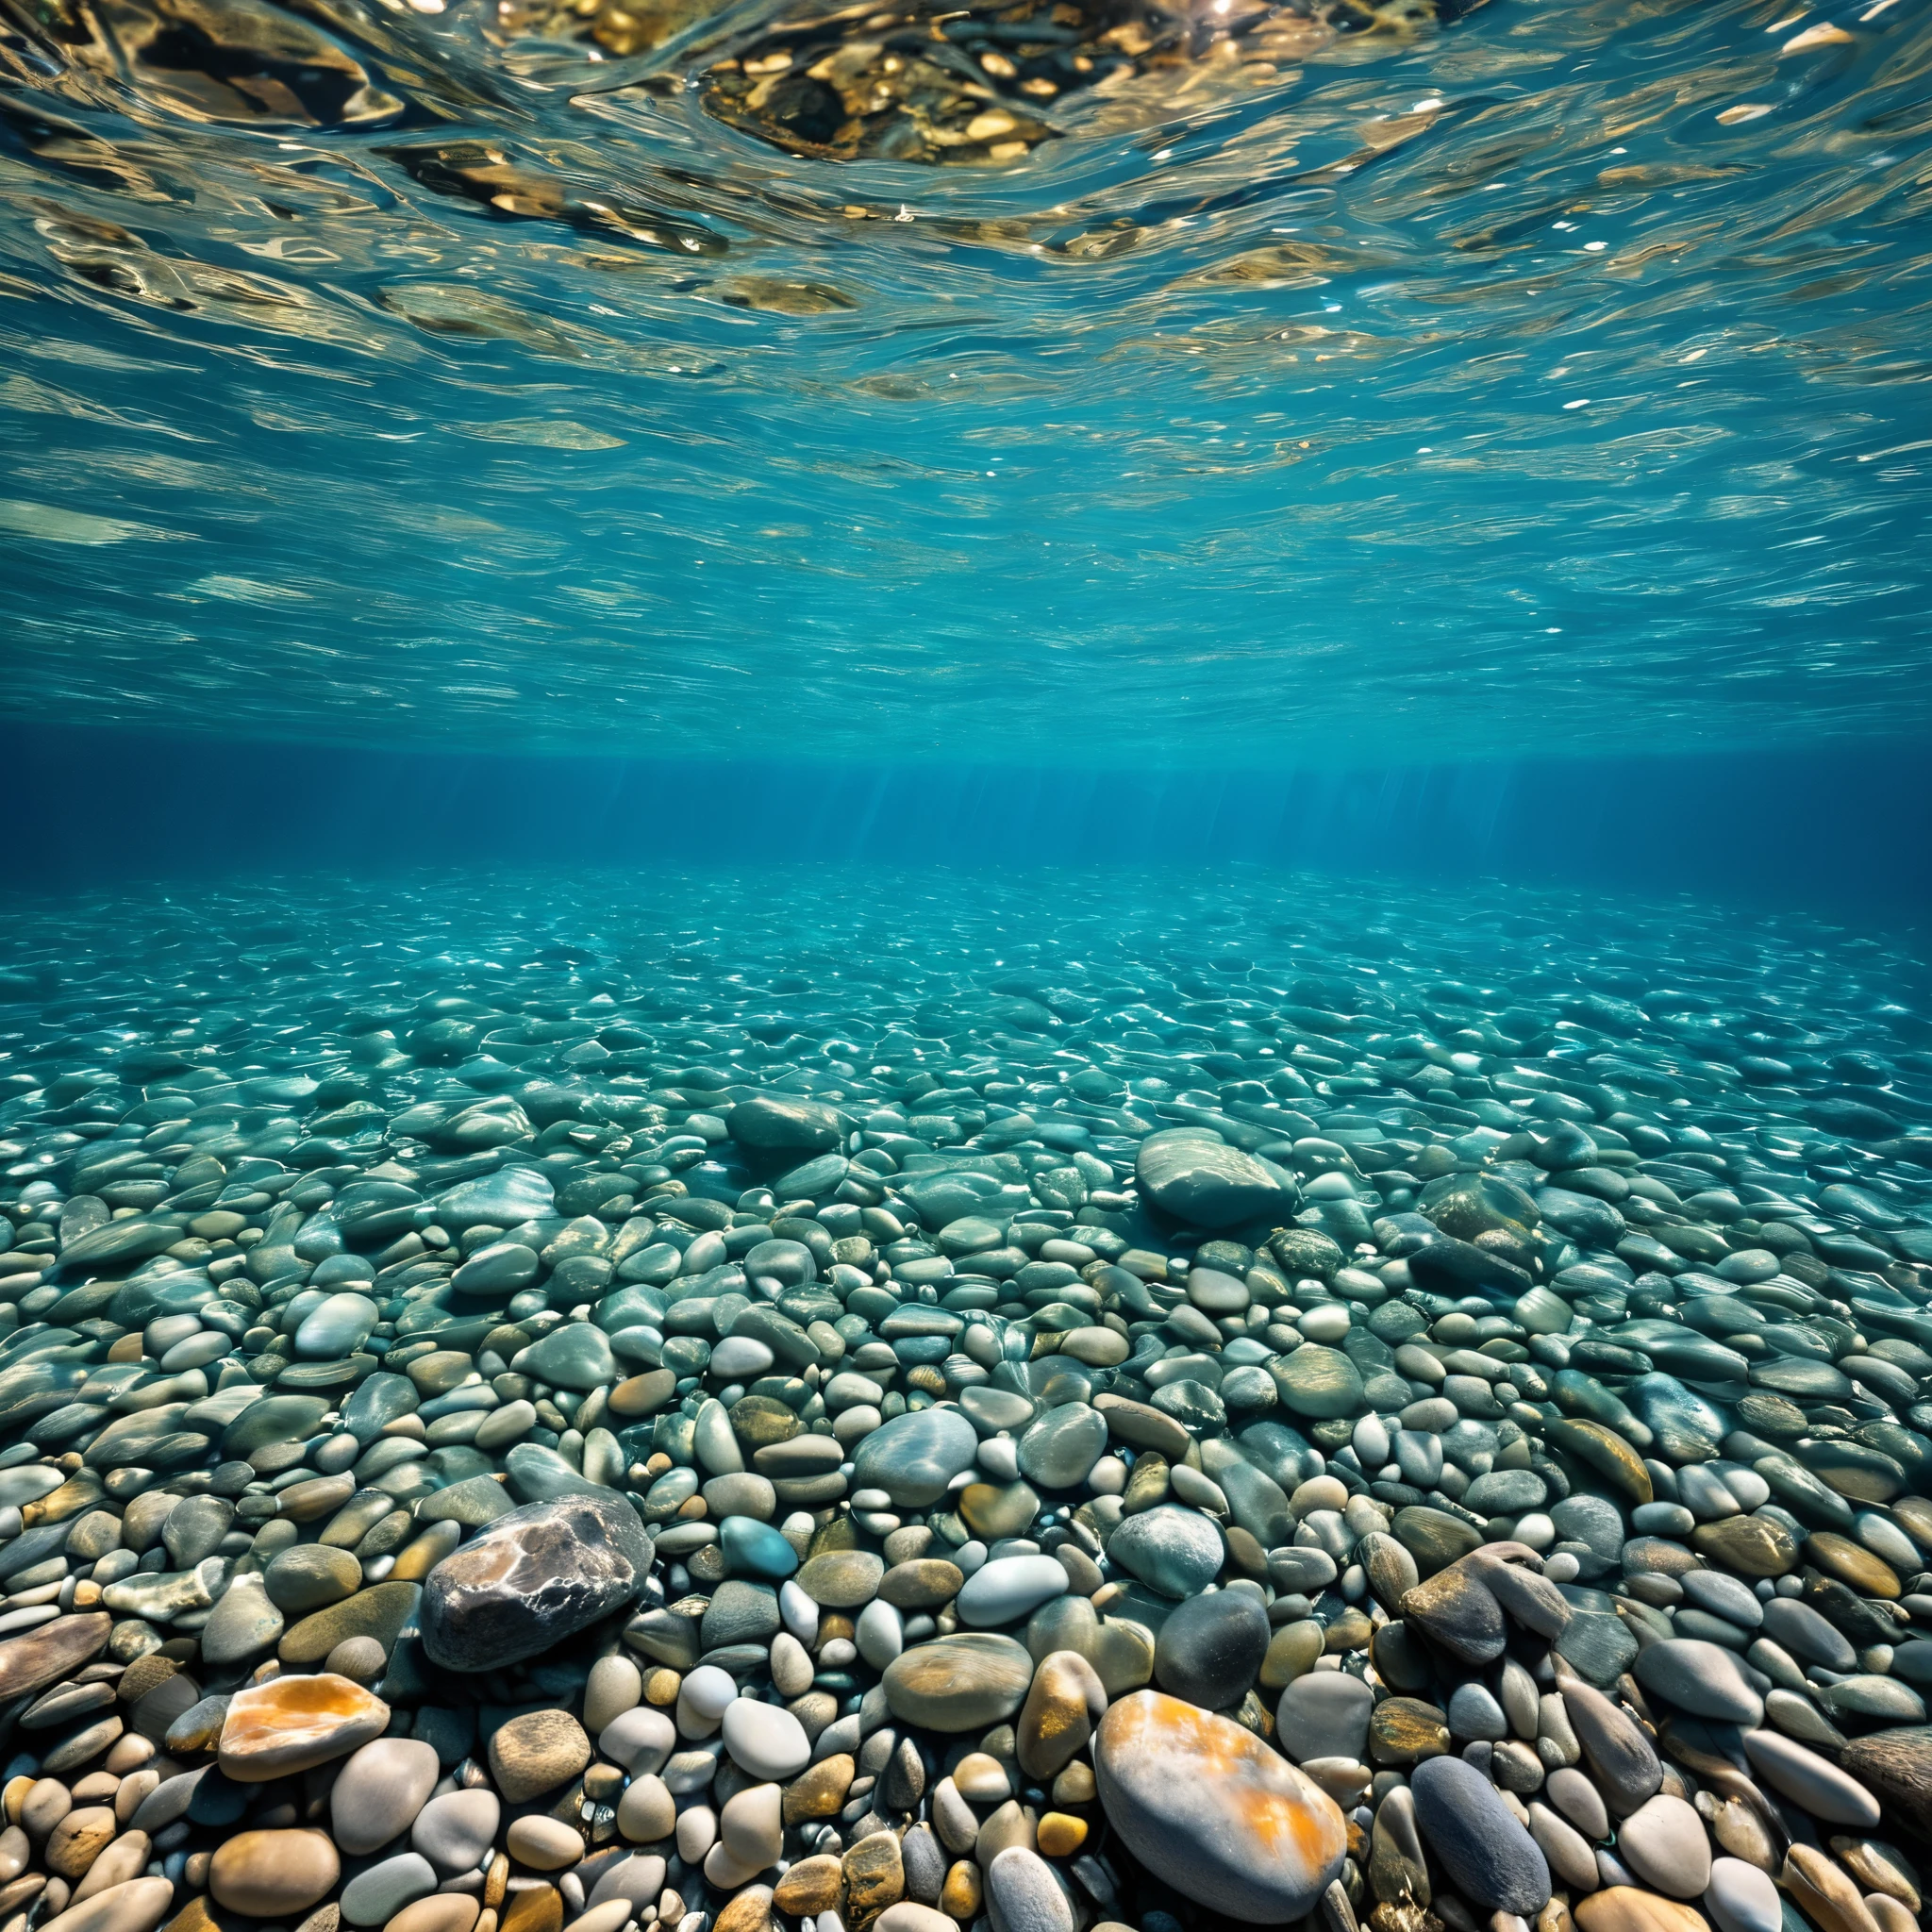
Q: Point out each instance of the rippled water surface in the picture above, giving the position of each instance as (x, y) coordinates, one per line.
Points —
(1073, 376)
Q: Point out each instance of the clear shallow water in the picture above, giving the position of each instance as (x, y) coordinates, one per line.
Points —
(1536, 380)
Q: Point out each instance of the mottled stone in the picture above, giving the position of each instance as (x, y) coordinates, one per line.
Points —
(1212, 1812)
(296, 1723)
(532, 1578)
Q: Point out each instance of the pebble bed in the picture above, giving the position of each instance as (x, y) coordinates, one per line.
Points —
(786, 1405)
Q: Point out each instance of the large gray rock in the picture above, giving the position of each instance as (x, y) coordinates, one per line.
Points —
(1203, 1182)
(532, 1578)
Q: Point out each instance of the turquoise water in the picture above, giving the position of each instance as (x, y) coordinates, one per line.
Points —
(962, 968)
(1408, 385)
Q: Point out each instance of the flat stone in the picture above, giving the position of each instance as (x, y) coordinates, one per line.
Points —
(1627, 1909)
(379, 1612)
(532, 1578)
(783, 1124)
(310, 1577)
(1198, 1179)
(959, 1683)
(841, 1579)
(296, 1723)
(914, 1457)
(1829, 1795)
(577, 1355)
(1701, 1678)
(54, 1651)
(1317, 1382)
(1212, 1810)
(375, 1895)
(1008, 1589)
(136, 1905)
(1057, 1451)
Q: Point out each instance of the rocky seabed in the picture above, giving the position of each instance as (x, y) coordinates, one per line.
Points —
(780, 1406)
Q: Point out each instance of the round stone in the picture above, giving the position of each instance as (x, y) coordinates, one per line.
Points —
(1663, 1843)
(1740, 1898)
(843, 1579)
(1209, 1650)
(454, 1831)
(273, 1874)
(766, 1741)
(536, 1751)
(309, 1577)
(1325, 1714)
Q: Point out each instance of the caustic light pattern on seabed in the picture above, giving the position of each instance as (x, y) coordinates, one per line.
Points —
(787, 1404)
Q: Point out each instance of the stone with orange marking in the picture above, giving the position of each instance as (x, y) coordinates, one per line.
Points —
(296, 1723)
(1214, 1812)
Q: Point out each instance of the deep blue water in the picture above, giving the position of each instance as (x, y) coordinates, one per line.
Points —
(1843, 834)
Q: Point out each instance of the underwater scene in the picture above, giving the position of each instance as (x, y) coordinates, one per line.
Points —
(963, 965)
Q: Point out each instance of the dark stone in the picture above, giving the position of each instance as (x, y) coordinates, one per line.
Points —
(1212, 1647)
(1487, 1856)
(530, 1579)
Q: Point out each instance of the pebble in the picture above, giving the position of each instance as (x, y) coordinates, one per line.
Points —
(269, 1875)
(1740, 1898)
(1663, 1843)
(1701, 1678)
(379, 1792)
(294, 1723)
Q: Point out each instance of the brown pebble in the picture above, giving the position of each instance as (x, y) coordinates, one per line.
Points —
(812, 1885)
(874, 1876)
(750, 1912)
(535, 1908)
